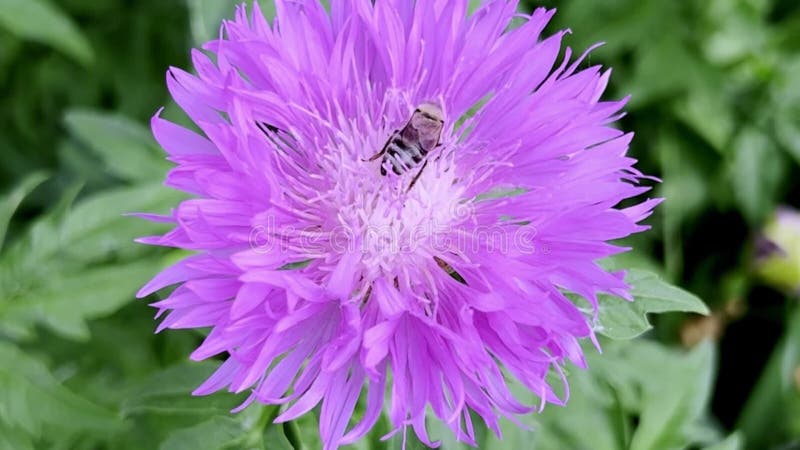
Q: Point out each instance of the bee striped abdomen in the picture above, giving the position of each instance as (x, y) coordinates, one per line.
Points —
(401, 155)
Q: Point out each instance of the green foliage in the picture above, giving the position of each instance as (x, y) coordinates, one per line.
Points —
(164, 392)
(132, 45)
(757, 170)
(216, 432)
(777, 390)
(706, 77)
(77, 264)
(637, 395)
(34, 403)
(207, 15)
(715, 97)
(11, 201)
(41, 21)
(126, 148)
(644, 395)
(626, 320)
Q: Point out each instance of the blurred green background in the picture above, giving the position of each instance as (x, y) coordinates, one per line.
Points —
(715, 105)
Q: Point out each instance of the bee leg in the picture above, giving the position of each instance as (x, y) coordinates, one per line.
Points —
(379, 154)
(416, 177)
(383, 150)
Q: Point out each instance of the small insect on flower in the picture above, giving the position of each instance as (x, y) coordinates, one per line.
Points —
(407, 147)
(392, 199)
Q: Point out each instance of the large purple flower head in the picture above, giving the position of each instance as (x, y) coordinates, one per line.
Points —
(390, 201)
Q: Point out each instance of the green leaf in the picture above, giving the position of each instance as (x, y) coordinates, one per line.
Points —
(411, 442)
(206, 16)
(32, 400)
(785, 103)
(251, 429)
(623, 24)
(665, 390)
(64, 301)
(592, 406)
(215, 433)
(163, 404)
(733, 442)
(775, 389)
(168, 392)
(41, 21)
(127, 148)
(296, 265)
(44, 278)
(656, 295)
(736, 32)
(620, 319)
(685, 180)
(685, 177)
(473, 5)
(14, 439)
(10, 203)
(97, 227)
(275, 438)
(674, 397)
(632, 260)
(707, 112)
(665, 68)
(304, 431)
(757, 173)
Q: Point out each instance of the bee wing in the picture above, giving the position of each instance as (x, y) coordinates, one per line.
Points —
(428, 131)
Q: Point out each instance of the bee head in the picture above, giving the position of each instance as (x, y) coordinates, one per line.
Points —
(431, 111)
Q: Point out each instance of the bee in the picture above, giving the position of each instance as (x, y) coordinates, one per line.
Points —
(409, 146)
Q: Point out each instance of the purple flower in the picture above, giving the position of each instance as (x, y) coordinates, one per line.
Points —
(777, 250)
(393, 198)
